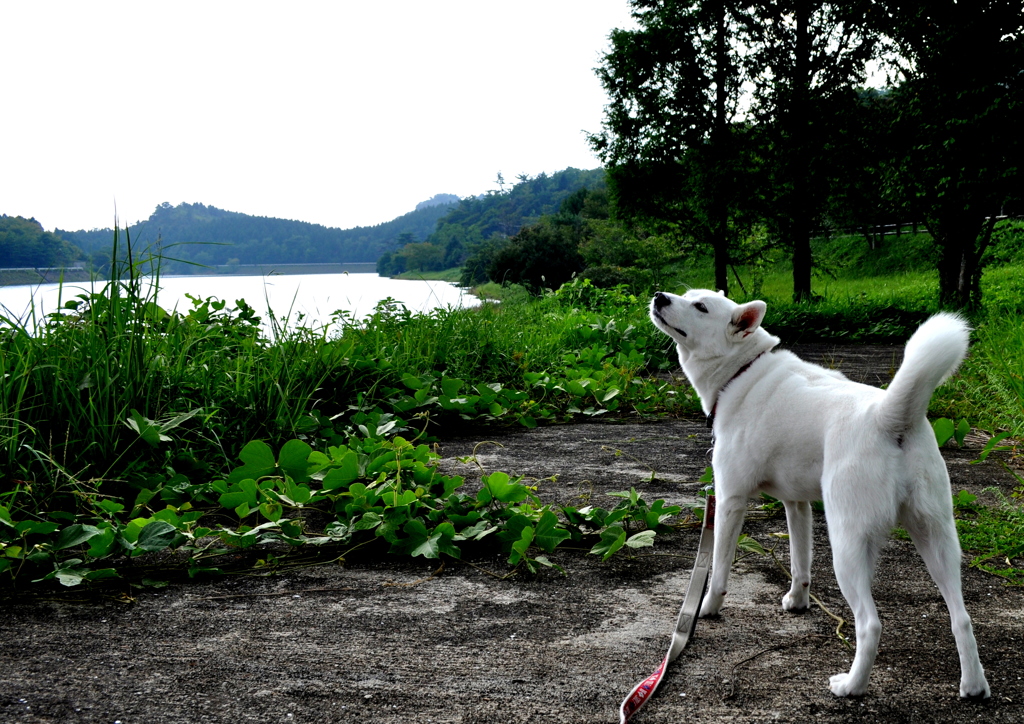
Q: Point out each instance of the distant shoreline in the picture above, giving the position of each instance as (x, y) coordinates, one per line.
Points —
(29, 276)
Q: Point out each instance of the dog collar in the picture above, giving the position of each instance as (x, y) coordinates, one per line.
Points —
(740, 371)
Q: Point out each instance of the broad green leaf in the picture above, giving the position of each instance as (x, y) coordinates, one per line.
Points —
(962, 429)
(342, 475)
(368, 521)
(963, 499)
(40, 527)
(110, 506)
(548, 534)
(258, 461)
(417, 541)
(445, 533)
(527, 421)
(943, 428)
(611, 540)
(75, 535)
(477, 531)
(993, 446)
(746, 543)
(294, 458)
(271, 511)
(148, 430)
(609, 394)
(520, 546)
(412, 381)
(71, 576)
(450, 386)
(451, 484)
(155, 536)
(505, 490)
(298, 494)
(643, 539)
(246, 492)
(576, 388)
(543, 560)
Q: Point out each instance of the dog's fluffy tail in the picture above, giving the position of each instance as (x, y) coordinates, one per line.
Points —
(933, 353)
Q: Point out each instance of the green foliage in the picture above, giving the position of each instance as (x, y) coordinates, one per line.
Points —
(120, 422)
(543, 256)
(945, 430)
(956, 152)
(373, 489)
(23, 243)
(992, 535)
(200, 234)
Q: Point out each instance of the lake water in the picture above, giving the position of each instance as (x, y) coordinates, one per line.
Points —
(315, 296)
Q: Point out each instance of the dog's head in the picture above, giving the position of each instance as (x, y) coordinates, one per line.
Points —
(704, 322)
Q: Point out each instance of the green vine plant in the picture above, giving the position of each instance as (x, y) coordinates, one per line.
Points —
(373, 490)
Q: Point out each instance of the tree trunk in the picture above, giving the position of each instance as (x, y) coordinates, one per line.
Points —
(961, 243)
(719, 139)
(722, 268)
(799, 127)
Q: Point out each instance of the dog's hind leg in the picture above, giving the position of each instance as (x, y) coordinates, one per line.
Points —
(936, 541)
(854, 553)
(729, 513)
(801, 543)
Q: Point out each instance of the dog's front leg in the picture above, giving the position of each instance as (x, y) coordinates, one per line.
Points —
(729, 512)
(801, 544)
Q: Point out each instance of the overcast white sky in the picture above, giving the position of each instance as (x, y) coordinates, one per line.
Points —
(344, 113)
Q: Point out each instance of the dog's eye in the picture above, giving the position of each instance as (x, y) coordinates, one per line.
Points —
(700, 307)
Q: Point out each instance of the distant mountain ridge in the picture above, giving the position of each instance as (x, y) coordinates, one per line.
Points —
(207, 235)
(446, 226)
(438, 199)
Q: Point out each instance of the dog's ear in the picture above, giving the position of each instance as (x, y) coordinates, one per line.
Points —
(721, 293)
(747, 318)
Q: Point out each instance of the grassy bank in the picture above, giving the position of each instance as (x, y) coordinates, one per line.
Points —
(445, 275)
(122, 425)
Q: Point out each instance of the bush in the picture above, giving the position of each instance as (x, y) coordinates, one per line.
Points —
(542, 256)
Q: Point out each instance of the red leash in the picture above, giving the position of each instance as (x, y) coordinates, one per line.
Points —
(687, 620)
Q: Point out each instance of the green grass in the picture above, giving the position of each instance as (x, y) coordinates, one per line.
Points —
(444, 275)
(118, 414)
(992, 535)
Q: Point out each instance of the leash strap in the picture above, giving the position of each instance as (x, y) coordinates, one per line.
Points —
(687, 620)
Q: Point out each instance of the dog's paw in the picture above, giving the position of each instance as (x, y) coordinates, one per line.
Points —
(975, 689)
(712, 605)
(843, 685)
(797, 602)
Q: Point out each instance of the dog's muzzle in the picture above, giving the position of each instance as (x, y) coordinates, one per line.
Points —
(659, 302)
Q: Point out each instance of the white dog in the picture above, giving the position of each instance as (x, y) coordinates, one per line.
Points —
(799, 433)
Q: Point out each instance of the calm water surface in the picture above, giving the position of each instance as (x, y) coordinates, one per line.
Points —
(314, 297)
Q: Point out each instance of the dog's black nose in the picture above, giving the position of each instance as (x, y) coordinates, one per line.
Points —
(660, 300)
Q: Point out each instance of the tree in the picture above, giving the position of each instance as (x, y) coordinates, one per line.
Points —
(24, 243)
(423, 257)
(674, 88)
(545, 255)
(805, 59)
(957, 126)
(711, 94)
(480, 257)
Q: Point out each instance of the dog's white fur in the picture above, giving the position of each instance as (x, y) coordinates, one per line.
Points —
(799, 433)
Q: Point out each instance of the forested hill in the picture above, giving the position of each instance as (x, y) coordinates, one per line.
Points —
(507, 210)
(497, 214)
(24, 243)
(208, 235)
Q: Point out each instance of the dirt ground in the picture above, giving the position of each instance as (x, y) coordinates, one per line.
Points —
(385, 641)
